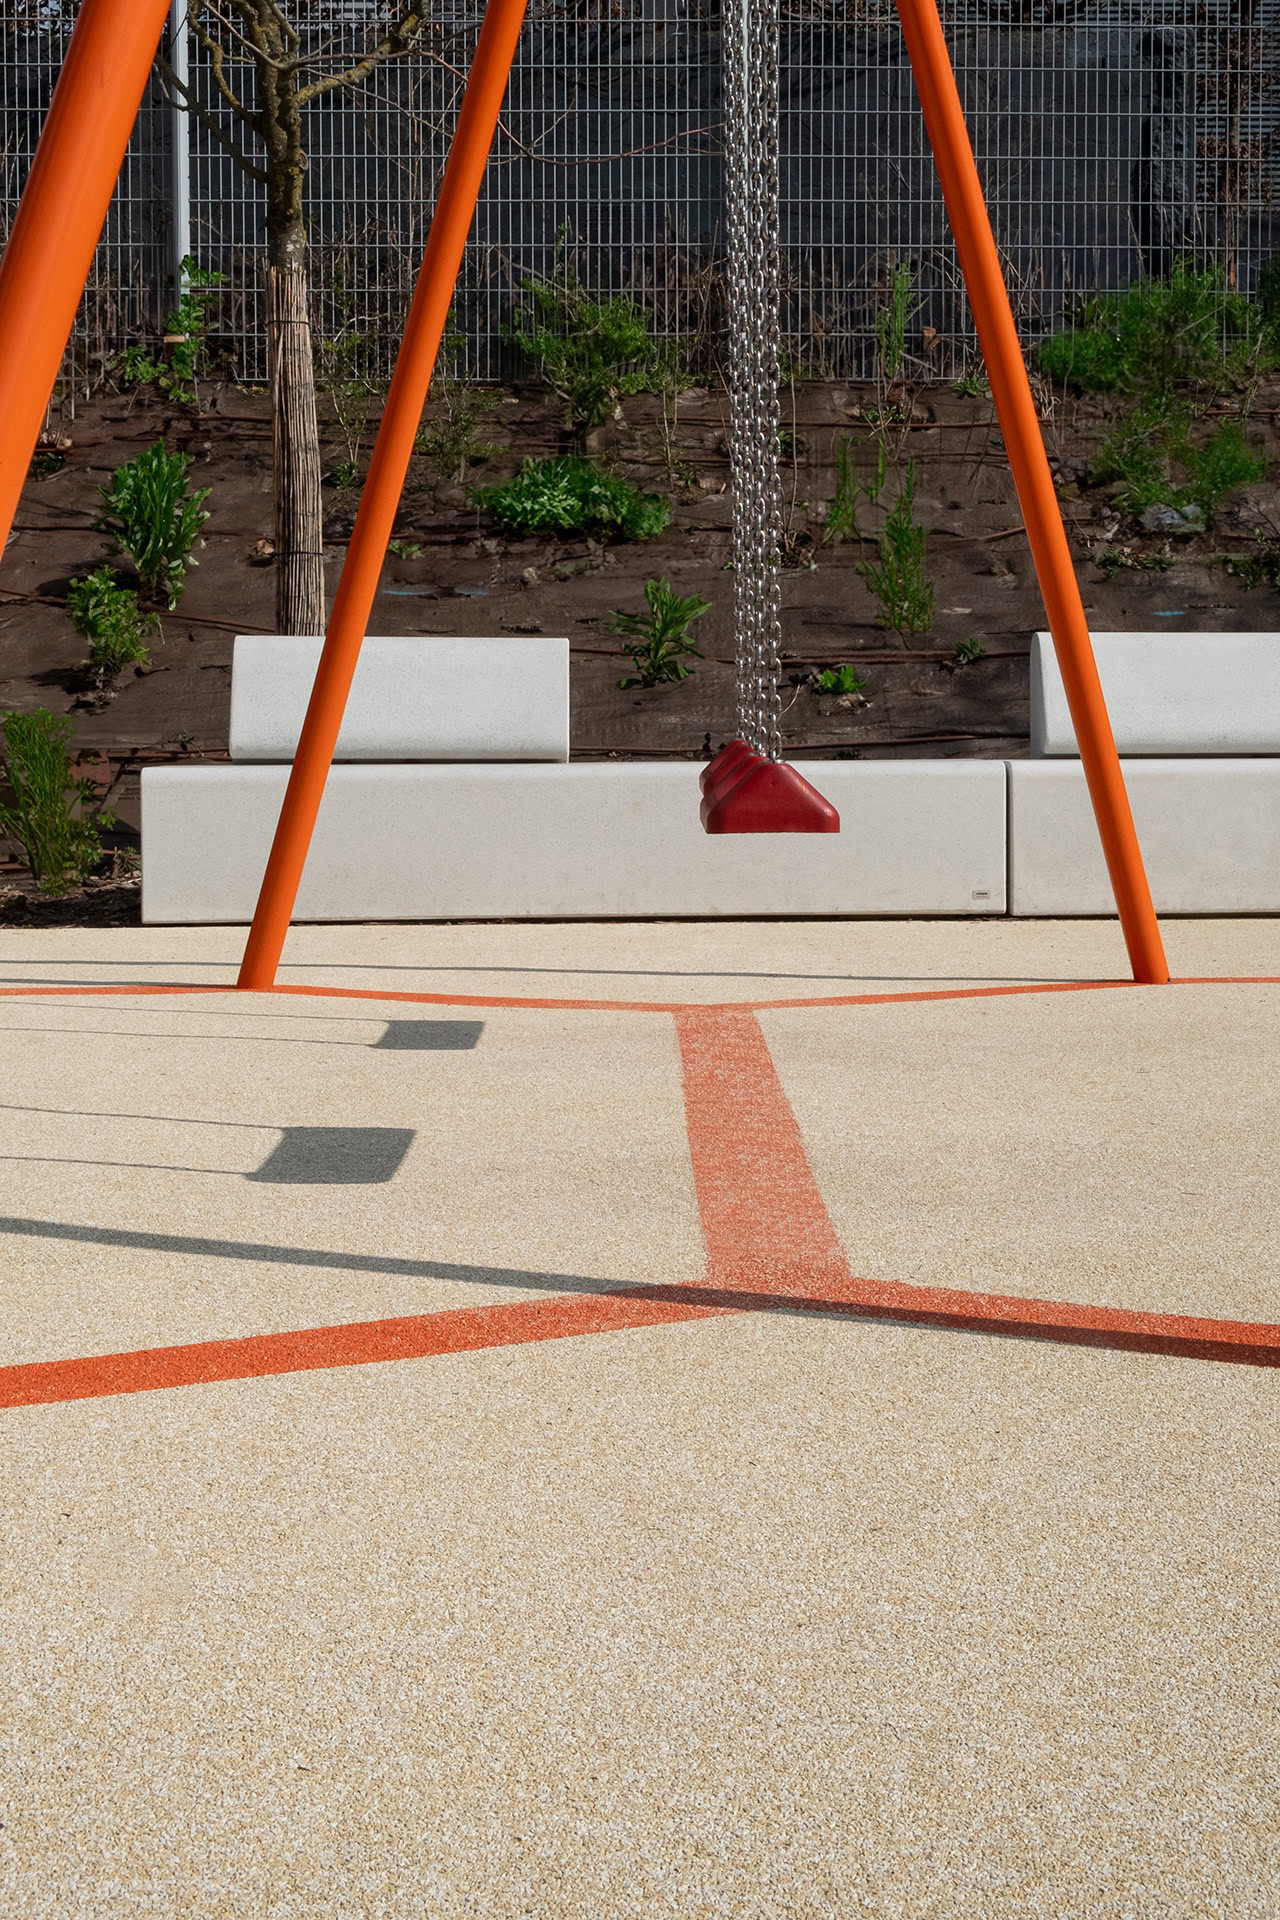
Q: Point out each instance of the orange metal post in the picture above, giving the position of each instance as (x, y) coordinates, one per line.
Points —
(60, 216)
(450, 225)
(1011, 390)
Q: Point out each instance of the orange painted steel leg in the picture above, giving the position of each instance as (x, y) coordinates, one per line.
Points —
(348, 623)
(1011, 390)
(59, 219)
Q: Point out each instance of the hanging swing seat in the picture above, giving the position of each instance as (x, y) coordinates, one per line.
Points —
(743, 791)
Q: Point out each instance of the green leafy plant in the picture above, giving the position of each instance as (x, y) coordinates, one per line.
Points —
(1219, 466)
(453, 440)
(134, 367)
(108, 617)
(404, 549)
(841, 680)
(971, 385)
(54, 818)
(345, 374)
(967, 651)
(1162, 334)
(452, 437)
(897, 575)
(154, 518)
(661, 636)
(1151, 454)
(186, 331)
(572, 495)
(1261, 567)
(345, 476)
(592, 353)
(1113, 560)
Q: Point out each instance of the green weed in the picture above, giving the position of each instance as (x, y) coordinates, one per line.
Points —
(452, 439)
(661, 637)
(154, 519)
(967, 651)
(897, 576)
(345, 476)
(892, 320)
(1219, 466)
(189, 355)
(1150, 451)
(188, 343)
(842, 512)
(1261, 568)
(1160, 335)
(54, 818)
(108, 617)
(572, 495)
(135, 367)
(841, 680)
(592, 353)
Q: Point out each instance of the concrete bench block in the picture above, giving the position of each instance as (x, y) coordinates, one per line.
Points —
(414, 697)
(1168, 693)
(582, 841)
(1209, 832)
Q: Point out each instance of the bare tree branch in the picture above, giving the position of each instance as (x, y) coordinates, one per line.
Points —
(255, 47)
(401, 38)
(207, 121)
(217, 62)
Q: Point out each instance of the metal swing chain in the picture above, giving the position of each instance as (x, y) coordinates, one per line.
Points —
(750, 41)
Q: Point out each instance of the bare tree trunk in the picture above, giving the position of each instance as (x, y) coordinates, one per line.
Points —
(296, 452)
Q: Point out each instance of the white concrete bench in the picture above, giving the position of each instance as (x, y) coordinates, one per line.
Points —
(414, 697)
(592, 839)
(1209, 831)
(1168, 694)
(1196, 718)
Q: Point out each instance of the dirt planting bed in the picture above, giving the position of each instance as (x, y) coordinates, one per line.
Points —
(457, 574)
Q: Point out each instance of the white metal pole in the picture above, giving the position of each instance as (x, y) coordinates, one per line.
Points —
(181, 137)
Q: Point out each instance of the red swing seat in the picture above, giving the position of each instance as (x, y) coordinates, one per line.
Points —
(743, 791)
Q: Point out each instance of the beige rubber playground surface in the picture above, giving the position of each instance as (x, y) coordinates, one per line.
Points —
(669, 1575)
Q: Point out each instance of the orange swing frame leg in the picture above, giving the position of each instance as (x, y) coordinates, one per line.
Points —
(60, 217)
(375, 520)
(1011, 390)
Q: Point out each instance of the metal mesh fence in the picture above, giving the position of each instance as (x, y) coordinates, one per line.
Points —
(1112, 138)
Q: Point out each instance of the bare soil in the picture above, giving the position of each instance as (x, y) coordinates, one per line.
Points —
(466, 578)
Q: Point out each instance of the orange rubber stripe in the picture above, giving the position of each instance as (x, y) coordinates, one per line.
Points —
(766, 1224)
(770, 1244)
(144, 988)
(413, 1337)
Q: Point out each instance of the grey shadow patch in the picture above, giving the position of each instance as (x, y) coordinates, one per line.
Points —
(335, 1156)
(431, 1036)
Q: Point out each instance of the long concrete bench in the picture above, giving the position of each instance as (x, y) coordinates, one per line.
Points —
(400, 838)
(588, 840)
(1168, 694)
(414, 697)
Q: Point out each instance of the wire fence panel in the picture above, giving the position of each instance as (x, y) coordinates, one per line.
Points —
(1112, 139)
